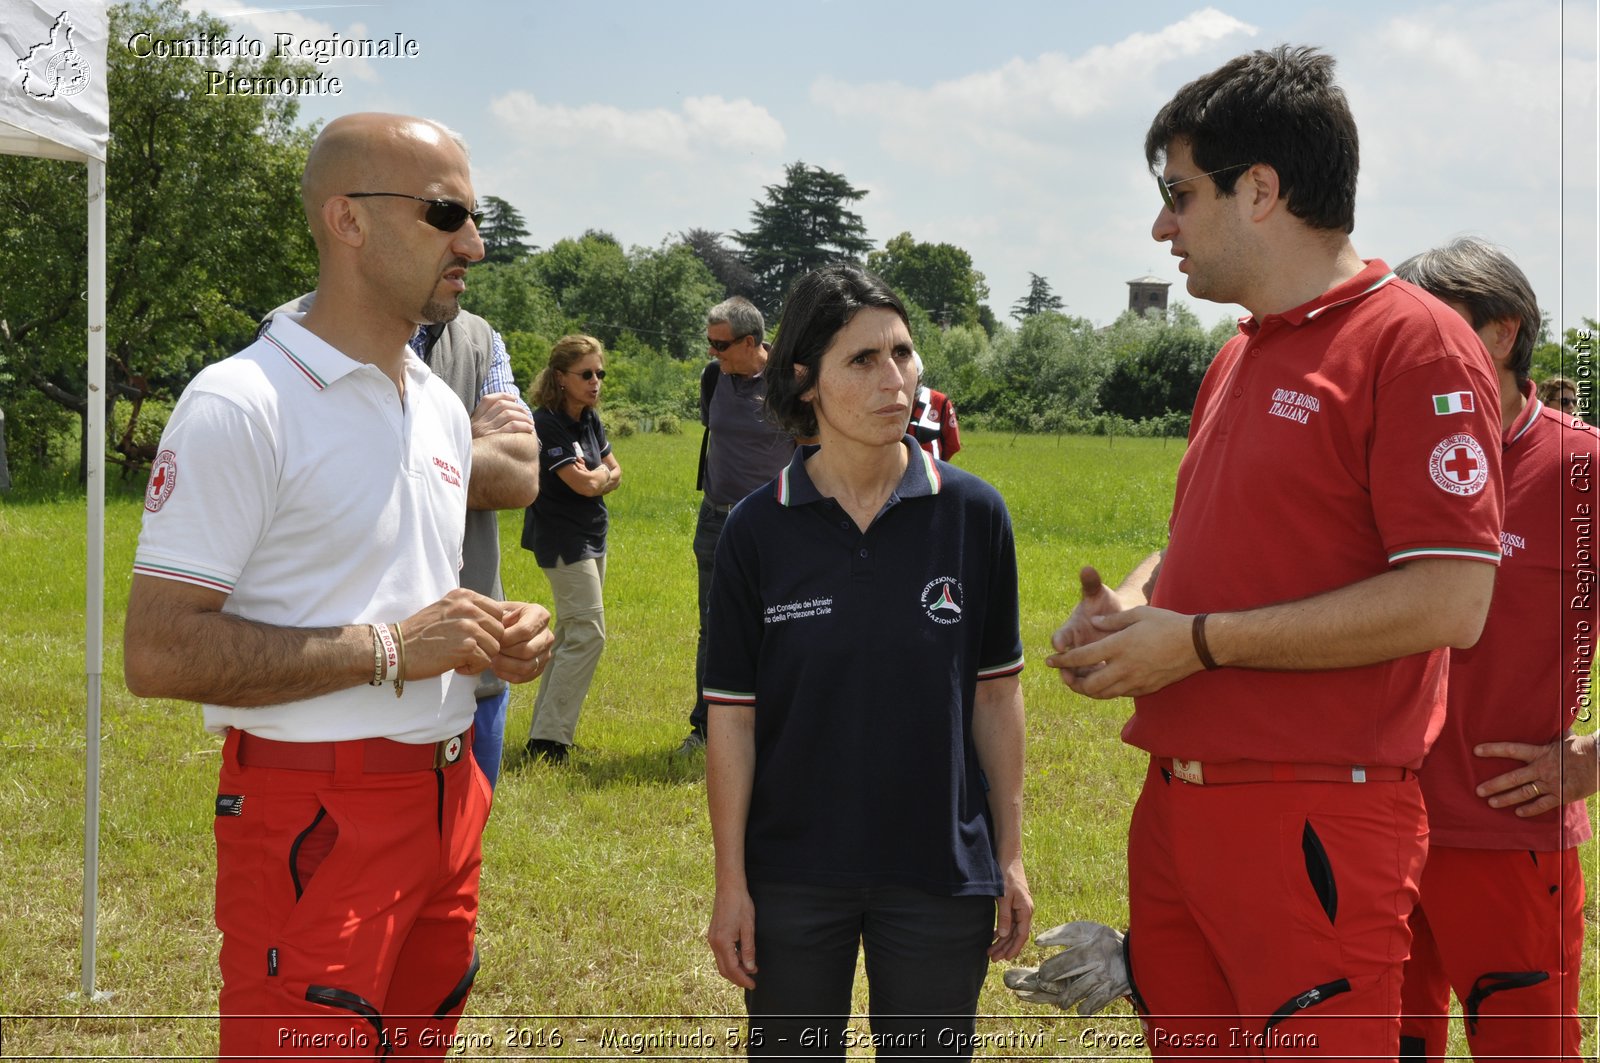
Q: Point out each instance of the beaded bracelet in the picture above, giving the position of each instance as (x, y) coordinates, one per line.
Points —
(377, 657)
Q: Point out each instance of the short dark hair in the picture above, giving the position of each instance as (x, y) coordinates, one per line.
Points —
(819, 305)
(1280, 108)
(1482, 278)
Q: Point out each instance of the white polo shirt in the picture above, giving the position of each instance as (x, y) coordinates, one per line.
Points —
(292, 479)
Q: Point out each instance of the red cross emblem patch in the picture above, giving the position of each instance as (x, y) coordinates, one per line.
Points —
(1458, 465)
(163, 481)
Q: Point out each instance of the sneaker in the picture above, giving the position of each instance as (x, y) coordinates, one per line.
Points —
(546, 750)
(695, 743)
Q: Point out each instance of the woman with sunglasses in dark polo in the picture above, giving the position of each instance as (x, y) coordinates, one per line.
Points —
(566, 530)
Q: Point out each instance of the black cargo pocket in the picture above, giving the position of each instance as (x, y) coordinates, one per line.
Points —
(1494, 982)
(1319, 870)
(345, 1000)
(310, 847)
(1309, 999)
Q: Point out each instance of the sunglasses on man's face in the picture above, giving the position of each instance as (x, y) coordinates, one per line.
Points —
(587, 374)
(1165, 186)
(442, 214)
(721, 346)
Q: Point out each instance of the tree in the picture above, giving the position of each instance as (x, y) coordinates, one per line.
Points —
(1039, 300)
(659, 295)
(503, 230)
(669, 291)
(514, 298)
(723, 262)
(804, 223)
(1162, 378)
(204, 231)
(938, 277)
(1046, 372)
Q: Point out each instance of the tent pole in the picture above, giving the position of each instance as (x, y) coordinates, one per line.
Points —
(94, 615)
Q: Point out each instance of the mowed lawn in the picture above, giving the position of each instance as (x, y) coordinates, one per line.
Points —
(597, 875)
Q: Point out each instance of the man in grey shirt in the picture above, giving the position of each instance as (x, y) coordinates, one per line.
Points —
(740, 452)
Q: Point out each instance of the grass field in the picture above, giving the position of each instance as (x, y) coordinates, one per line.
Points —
(597, 875)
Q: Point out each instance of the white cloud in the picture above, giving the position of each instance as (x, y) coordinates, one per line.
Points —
(702, 126)
(986, 108)
(309, 37)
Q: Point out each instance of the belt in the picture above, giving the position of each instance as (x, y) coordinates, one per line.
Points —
(1232, 771)
(720, 508)
(377, 754)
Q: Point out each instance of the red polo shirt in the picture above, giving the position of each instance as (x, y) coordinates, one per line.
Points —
(1329, 443)
(1528, 676)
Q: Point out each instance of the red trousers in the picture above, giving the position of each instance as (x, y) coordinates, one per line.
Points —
(1504, 929)
(1268, 920)
(348, 905)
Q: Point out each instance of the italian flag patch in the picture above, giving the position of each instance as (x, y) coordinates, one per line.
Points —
(1458, 402)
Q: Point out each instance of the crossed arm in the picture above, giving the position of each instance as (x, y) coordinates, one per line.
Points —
(505, 455)
(592, 483)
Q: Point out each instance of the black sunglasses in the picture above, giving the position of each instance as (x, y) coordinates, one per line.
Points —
(721, 346)
(587, 374)
(442, 214)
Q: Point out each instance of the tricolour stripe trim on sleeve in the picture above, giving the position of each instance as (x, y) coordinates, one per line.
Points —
(1461, 552)
(183, 575)
(729, 697)
(999, 671)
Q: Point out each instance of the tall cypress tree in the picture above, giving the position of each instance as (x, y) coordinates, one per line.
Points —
(802, 224)
(503, 230)
(1038, 300)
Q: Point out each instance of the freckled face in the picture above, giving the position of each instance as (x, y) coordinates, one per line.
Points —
(866, 381)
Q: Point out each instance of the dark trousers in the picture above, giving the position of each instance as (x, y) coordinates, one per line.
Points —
(926, 960)
(707, 533)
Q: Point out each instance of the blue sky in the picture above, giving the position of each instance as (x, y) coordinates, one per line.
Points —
(1013, 129)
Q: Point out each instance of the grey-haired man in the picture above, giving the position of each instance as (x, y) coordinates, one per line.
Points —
(739, 452)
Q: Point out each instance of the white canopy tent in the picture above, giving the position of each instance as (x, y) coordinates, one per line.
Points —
(53, 105)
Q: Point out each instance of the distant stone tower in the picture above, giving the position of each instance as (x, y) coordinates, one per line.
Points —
(1148, 293)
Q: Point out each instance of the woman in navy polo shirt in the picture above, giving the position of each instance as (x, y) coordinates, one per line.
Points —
(864, 763)
(566, 530)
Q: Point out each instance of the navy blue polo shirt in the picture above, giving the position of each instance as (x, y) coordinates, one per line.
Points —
(862, 652)
(562, 524)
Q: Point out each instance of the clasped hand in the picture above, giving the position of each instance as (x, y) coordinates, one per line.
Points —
(467, 632)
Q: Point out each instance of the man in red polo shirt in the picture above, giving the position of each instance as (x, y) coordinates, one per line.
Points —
(1335, 527)
(1501, 915)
